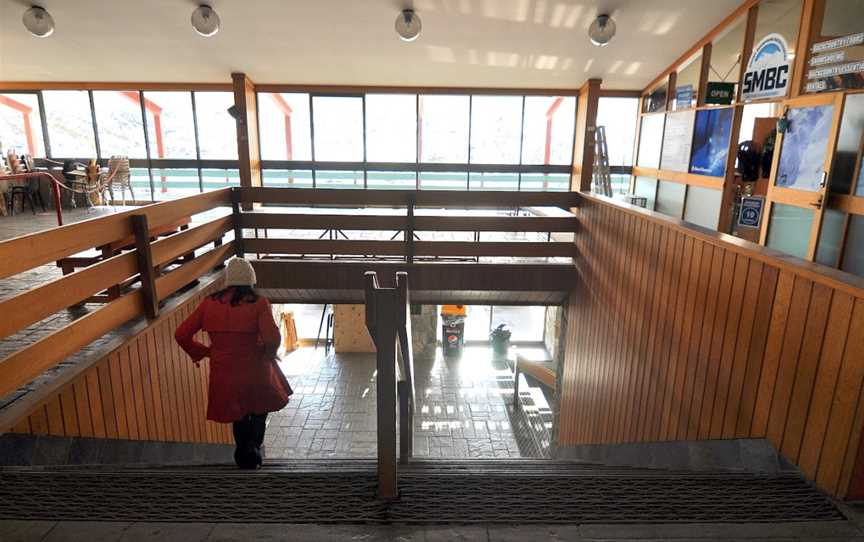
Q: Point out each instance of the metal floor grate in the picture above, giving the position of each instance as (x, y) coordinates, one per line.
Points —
(520, 494)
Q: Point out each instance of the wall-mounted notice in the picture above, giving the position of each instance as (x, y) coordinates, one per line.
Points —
(677, 141)
(837, 64)
(805, 145)
(684, 96)
(768, 70)
(751, 211)
(711, 142)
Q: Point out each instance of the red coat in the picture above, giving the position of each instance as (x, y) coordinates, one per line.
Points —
(244, 377)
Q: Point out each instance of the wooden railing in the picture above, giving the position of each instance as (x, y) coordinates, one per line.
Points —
(406, 244)
(390, 325)
(139, 258)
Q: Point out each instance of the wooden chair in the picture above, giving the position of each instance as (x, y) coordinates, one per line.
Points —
(117, 176)
(30, 191)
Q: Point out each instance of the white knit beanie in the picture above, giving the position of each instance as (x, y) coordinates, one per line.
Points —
(239, 272)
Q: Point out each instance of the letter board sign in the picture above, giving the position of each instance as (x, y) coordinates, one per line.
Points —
(768, 71)
(751, 211)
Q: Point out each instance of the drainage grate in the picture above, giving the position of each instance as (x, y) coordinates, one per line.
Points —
(428, 495)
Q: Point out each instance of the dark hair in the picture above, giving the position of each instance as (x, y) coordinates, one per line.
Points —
(239, 294)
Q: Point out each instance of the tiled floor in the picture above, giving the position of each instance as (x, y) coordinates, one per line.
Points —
(462, 407)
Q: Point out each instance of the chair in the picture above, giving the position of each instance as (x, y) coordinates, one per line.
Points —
(30, 190)
(117, 176)
(79, 185)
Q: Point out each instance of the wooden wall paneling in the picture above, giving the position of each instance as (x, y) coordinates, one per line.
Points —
(597, 304)
(756, 351)
(846, 396)
(54, 414)
(97, 416)
(106, 397)
(771, 359)
(727, 352)
(622, 290)
(70, 412)
(148, 352)
(169, 413)
(23, 426)
(672, 391)
(696, 292)
(631, 295)
(742, 343)
(805, 373)
(82, 407)
(118, 397)
(178, 399)
(830, 360)
(196, 392)
(693, 340)
(140, 386)
(39, 421)
(789, 358)
(714, 341)
(127, 390)
(708, 377)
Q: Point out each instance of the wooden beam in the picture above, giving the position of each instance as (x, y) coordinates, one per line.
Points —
(399, 198)
(189, 272)
(399, 222)
(503, 249)
(497, 223)
(324, 246)
(322, 222)
(246, 103)
(802, 47)
(172, 247)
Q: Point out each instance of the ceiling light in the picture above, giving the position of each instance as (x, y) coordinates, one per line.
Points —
(408, 25)
(38, 22)
(205, 21)
(601, 30)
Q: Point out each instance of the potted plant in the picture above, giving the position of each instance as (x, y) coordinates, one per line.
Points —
(500, 339)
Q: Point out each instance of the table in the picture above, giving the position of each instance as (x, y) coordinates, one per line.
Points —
(40, 174)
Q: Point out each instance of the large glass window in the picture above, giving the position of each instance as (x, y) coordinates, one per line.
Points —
(619, 116)
(20, 124)
(493, 181)
(283, 125)
(687, 83)
(393, 180)
(853, 256)
(391, 127)
(177, 183)
(70, 124)
(119, 123)
(651, 141)
(847, 156)
(725, 61)
(703, 206)
(170, 124)
(217, 130)
(789, 229)
(670, 198)
(547, 130)
(338, 128)
(646, 187)
(444, 129)
(781, 17)
(443, 180)
(214, 179)
(496, 127)
(290, 178)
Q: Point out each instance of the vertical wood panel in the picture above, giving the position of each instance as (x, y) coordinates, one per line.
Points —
(82, 405)
(70, 412)
(54, 415)
(674, 336)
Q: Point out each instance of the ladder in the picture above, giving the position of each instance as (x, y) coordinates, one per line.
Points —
(602, 179)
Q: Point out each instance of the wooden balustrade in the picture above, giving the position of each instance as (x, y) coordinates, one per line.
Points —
(32, 306)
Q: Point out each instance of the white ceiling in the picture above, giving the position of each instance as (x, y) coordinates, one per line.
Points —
(494, 43)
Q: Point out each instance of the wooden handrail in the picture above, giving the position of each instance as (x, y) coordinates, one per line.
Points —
(32, 250)
(400, 198)
(500, 249)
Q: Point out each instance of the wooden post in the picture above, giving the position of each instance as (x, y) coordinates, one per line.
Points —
(145, 265)
(246, 106)
(235, 220)
(409, 229)
(586, 123)
(381, 319)
(406, 421)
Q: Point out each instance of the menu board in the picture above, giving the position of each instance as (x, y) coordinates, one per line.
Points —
(677, 141)
(836, 64)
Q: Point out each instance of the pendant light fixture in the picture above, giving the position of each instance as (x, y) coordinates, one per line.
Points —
(205, 21)
(602, 30)
(38, 22)
(408, 25)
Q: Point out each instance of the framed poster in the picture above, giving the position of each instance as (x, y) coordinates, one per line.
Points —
(677, 141)
(711, 142)
(805, 142)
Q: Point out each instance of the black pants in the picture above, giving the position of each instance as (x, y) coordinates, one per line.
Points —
(248, 437)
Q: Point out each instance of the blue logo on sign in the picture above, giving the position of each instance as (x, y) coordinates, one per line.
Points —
(768, 70)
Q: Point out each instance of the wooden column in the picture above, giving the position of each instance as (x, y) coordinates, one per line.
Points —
(586, 122)
(246, 105)
(145, 265)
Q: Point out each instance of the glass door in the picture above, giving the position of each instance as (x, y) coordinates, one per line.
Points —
(797, 192)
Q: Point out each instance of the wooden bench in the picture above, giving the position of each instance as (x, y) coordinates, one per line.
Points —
(85, 259)
(539, 370)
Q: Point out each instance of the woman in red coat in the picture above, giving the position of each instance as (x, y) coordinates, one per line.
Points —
(245, 381)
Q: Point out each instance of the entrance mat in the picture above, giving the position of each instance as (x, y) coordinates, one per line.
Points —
(427, 496)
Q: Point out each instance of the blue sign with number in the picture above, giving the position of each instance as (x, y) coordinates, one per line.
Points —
(751, 211)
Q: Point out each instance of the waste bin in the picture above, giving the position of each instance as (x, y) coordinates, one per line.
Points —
(452, 330)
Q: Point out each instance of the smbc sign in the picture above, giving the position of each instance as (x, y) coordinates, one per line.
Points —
(768, 70)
